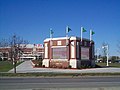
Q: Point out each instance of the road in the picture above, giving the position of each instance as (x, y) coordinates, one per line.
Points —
(60, 83)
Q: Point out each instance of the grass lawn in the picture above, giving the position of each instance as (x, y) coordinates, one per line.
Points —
(110, 64)
(5, 66)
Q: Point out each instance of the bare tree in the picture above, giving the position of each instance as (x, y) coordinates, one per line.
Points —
(16, 45)
(3, 43)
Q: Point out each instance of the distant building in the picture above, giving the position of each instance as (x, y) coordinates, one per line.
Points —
(29, 51)
(4, 53)
(64, 52)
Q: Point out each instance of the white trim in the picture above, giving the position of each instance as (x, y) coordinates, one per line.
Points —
(62, 38)
(72, 50)
(59, 59)
(73, 63)
(73, 38)
(78, 52)
(40, 52)
(46, 44)
(59, 43)
(58, 46)
(46, 62)
(48, 39)
(46, 50)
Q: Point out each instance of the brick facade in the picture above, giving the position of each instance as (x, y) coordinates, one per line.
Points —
(30, 51)
(64, 52)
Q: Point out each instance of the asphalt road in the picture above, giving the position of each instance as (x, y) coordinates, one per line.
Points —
(59, 83)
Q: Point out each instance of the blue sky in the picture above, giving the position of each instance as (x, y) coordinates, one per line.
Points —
(31, 19)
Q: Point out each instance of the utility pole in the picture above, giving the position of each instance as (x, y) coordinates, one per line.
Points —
(106, 46)
(97, 52)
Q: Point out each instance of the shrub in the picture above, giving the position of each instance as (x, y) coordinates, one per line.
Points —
(69, 66)
(89, 66)
(83, 66)
(5, 59)
(36, 65)
(43, 65)
(65, 67)
(0, 59)
(40, 63)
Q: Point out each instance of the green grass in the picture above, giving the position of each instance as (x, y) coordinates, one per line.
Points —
(110, 64)
(5, 66)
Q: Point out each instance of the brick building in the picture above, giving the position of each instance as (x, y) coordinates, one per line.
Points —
(68, 51)
(30, 51)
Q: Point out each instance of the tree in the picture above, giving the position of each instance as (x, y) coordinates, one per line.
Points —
(16, 48)
(114, 58)
(3, 43)
(16, 45)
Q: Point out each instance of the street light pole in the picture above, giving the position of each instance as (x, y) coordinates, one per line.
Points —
(98, 49)
(107, 53)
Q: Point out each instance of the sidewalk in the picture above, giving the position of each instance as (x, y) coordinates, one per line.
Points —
(26, 67)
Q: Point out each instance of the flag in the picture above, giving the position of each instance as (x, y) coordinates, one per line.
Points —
(51, 32)
(68, 29)
(82, 31)
(51, 36)
(91, 33)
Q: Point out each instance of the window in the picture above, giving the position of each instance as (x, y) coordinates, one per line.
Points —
(84, 53)
(85, 43)
(58, 42)
(59, 53)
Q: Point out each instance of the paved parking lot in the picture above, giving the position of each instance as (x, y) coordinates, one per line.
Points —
(26, 67)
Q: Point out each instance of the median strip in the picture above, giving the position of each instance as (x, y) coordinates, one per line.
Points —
(56, 74)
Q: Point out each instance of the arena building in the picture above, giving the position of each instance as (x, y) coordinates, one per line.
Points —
(67, 52)
(28, 52)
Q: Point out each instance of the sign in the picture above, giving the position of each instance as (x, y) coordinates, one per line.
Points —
(38, 45)
(84, 53)
(59, 53)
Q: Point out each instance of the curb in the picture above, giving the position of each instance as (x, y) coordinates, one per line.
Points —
(32, 63)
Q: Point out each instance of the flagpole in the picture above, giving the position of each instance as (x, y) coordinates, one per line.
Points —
(90, 35)
(67, 31)
(50, 36)
(50, 33)
(81, 33)
(66, 35)
(66, 39)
